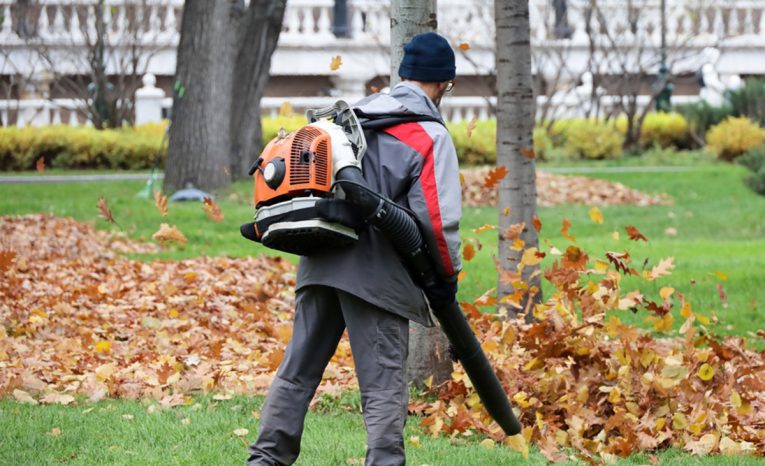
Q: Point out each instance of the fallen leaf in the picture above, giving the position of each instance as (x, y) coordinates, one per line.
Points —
(24, 397)
(494, 176)
(167, 234)
(160, 201)
(40, 164)
(335, 63)
(537, 222)
(671, 231)
(57, 398)
(528, 152)
(241, 432)
(213, 211)
(468, 252)
(55, 432)
(564, 230)
(104, 212)
(471, 126)
(634, 234)
(464, 46)
(596, 215)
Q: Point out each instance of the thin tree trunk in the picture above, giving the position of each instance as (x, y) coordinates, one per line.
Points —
(428, 347)
(200, 134)
(259, 34)
(515, 124)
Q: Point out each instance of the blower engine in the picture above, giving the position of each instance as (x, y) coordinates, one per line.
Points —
(295, 172)
(294, 180)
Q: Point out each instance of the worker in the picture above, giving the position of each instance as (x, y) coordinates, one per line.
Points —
(365, 287)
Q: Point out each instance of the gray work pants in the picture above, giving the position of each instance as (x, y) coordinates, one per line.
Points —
(379, 342)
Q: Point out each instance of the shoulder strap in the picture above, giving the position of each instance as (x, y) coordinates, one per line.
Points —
(380, 122)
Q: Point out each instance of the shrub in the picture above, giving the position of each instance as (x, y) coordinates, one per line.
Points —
(749, 100)
(593, 140)
(80, 147)
(701, 116)
(661, 129)
(754, 160)
(734, 136)
(480, 148)
(271, 126)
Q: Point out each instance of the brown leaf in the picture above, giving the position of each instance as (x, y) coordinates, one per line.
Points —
(213, 211)
(537, 222)
(335, 63)
(160, 201)
(721, 293)
(104, 212)
(564, 230)
(528, 152)
(468, 252)
(40, 164)
(471, 126)
(494, 176)
(6, 259)
(634, 234)
(662, 269)
(169, 234)
(374, 89)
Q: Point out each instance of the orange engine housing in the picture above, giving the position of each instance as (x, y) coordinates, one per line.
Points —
(305, 167)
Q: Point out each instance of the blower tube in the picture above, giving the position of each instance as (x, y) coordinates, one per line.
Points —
(402, 230)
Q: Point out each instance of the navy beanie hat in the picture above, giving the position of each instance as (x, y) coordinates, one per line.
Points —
(428, 57)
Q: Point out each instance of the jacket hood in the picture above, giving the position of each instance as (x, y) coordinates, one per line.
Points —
(406, 99)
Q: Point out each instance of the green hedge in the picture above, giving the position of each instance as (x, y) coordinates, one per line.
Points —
(80, 147)
(133, 148)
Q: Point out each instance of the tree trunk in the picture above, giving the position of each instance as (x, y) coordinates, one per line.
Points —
(258, 37)
(200, 134)
(515, 124)
(407, 19)
(428, 353)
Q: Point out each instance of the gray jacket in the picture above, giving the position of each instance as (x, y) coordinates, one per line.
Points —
(415, 165)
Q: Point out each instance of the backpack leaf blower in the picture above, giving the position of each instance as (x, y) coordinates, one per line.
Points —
(297, 176)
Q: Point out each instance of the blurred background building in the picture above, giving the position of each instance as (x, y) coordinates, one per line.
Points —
(591, 57)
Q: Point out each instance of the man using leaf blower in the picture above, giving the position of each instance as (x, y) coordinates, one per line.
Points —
(406, 210)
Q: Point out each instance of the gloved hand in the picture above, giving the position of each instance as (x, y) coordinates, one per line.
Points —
(442, 294)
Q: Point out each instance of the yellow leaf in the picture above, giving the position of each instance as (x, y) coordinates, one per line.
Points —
(596, 215)
(487, 443)
(686, 311)
(414, 441)
(519, 444)
(334, 65)
(103, 346)
(530, 257)
(615, 236)
(461, 276)
(679, 421)
(285, 109)
(706, 372)
(483, 228)
(521, 399)
(464, 46)
(241, 432)
(722, 276)
(666, 292)
(664, 324)
(506, 212)
(173, 313)
(23, 397)
(601, 265)
(735, 399)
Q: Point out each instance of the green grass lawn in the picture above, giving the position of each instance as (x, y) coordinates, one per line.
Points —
(720, 228)
(126, 432)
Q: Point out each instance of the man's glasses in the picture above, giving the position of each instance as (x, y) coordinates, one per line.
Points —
(449, 86)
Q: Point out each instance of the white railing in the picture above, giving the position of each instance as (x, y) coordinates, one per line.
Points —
(72, 22)
(309, 22)
(40, 112)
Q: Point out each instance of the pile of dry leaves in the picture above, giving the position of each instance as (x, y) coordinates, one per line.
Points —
(553, 190)
(79, 318)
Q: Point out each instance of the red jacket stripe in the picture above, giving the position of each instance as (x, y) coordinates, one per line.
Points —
(414, 136)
